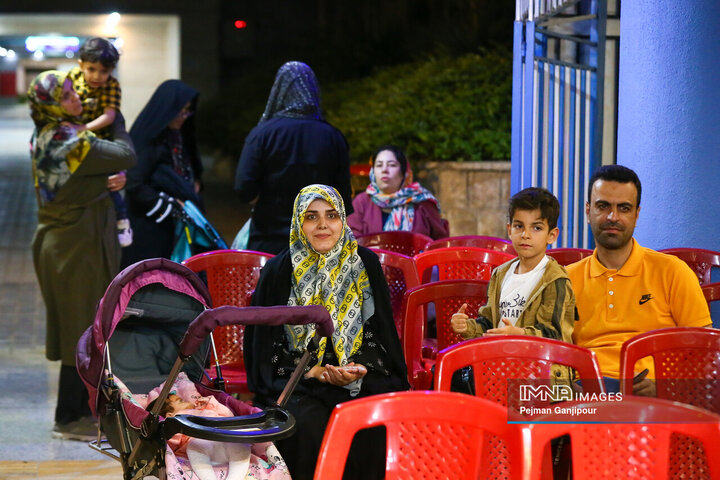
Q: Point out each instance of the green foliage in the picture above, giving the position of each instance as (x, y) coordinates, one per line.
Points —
(440, 108)
(225, 120)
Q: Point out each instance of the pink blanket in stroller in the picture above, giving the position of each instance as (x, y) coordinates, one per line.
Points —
(264, 461)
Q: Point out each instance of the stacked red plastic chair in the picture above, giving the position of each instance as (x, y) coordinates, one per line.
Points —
(429, 435)
(447, 296)
(633, 438)
(566, 256)
(460, 263)
(478, 241)
(406, 243)
(231, 277)
(700, 260)
(401, 275)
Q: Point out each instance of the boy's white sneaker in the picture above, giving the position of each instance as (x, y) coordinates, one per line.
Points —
(125, 233)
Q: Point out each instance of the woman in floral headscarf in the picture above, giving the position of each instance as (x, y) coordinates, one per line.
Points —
(75, 248)
(291, 146)
(325, 266)
(393, 201)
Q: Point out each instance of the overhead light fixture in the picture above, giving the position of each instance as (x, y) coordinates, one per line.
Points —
(112, 21)
(51, 42)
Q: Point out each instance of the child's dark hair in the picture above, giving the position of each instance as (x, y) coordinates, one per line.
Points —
(98, 49)
(536, 198)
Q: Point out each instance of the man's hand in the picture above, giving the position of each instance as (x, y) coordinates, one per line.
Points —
(459, 321)
(508, 329)
(645, 388)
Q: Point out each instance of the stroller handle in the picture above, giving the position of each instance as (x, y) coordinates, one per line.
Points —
(206, 322)
(269, 425)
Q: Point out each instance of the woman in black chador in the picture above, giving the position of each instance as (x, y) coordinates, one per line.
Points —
(325, 266)
(292, 146)
(169, 166)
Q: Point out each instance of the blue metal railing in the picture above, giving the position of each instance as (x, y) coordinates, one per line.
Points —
(557, 104)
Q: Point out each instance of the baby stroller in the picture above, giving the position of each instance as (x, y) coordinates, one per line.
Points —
(193, 232)
(152, 324)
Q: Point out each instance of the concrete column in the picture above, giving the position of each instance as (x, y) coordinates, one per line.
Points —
(669, 118)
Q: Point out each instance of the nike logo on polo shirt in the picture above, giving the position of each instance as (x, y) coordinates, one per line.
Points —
(646, 298)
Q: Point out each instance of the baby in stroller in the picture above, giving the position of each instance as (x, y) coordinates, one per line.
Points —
(209, 459)
(153, 325)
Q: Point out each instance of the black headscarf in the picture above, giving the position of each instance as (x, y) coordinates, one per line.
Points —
(295, 93)
(164, 105)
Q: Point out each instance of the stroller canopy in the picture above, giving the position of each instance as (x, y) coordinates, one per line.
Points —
(141, 280)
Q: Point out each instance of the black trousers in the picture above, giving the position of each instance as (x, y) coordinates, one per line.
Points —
(72, 402)
(366, 460)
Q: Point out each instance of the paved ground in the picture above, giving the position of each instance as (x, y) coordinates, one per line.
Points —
(29, 382)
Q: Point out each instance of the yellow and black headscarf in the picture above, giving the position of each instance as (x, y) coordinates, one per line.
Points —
(57, 150)
(337, 280)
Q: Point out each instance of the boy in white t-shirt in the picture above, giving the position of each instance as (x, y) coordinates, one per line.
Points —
(531, 294)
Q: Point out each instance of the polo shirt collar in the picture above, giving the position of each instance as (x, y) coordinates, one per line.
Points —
(629, 269)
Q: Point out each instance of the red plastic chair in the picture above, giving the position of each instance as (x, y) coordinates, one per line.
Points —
(360, 169)
(231, 278)
(639, 438)
(478, 241)
(566, 256)
(460, 263)
(711, 292)
(401, 275)
(701, 261)
(448, 296)
(501, 364)
(429, 435)
(687, 364)
(407, 243)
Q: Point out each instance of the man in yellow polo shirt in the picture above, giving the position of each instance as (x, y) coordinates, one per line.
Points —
(625, 289)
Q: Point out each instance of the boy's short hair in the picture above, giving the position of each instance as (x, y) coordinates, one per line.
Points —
(536, 198)
(98, 49)
(615, 173)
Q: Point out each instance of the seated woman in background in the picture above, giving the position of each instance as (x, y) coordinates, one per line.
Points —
(325, 266)
(393, 201)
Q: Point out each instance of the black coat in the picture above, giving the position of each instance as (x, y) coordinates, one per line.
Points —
(273, 288)
(281, 156)
(154, 173)
(313, 401)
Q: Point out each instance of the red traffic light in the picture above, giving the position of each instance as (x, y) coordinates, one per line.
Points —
(240, 24)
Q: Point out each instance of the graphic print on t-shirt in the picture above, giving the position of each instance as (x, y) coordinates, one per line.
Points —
(512, 308)
(516, 289)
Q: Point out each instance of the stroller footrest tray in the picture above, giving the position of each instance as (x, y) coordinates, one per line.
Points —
(267, 426)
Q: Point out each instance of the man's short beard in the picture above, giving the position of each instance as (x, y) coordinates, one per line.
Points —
(612, 242)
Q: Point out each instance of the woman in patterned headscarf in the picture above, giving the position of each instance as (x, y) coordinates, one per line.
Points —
(325, 266)
(75, 248)
(291, 146)
(393, 201)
